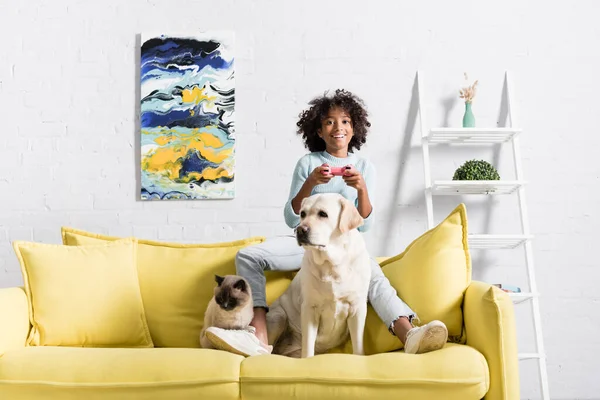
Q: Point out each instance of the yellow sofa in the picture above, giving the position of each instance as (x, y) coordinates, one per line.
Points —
(175, 281)
(485, 366)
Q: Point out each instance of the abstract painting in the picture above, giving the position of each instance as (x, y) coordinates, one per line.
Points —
(187, 116)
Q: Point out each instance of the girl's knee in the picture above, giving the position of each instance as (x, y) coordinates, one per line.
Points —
(248, 259)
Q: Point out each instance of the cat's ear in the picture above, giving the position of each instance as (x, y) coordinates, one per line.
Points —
(219, 279)
(241, 285)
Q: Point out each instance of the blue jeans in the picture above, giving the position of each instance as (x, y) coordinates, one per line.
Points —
(282, 253)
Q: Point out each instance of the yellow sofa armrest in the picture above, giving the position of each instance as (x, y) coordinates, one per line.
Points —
(14, 319)
(490, 328)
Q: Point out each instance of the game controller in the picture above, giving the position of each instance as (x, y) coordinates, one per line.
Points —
(337, 171)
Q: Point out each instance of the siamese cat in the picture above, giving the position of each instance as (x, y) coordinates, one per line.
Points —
(230, 308)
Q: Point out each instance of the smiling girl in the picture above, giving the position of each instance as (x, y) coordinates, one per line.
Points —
(332, 128)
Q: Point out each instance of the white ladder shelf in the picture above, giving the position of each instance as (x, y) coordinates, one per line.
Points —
(481, 136)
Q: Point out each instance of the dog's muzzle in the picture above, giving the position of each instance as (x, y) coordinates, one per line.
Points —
(302, 234)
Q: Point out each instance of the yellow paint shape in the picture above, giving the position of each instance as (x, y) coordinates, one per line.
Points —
(195, 95)
(208, 173)
(163, 160)
(215, 173)
(164, 140)
(210, 140)
(169, 159)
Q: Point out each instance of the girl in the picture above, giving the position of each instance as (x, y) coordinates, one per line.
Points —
(332, 128)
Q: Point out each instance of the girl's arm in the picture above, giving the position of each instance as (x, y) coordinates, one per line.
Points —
(305, 191)
(364, 203)
(303, 182)
(365, 189)
(370, 177)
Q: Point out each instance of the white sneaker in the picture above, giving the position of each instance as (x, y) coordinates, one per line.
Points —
(239, 341)
(426, 338)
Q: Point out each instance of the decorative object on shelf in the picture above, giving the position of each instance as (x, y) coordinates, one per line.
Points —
(187, 116)
(468, 93)
(476, 170)
(507, 288)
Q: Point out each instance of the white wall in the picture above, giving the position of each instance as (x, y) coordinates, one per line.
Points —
(69, 151)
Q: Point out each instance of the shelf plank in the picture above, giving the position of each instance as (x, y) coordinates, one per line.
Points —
(497, 241)
(445, 188)
(521, 297)
(471, 135)
(530, 356)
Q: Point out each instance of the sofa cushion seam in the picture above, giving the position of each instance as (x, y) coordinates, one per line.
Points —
(119, 384)
(359, 381)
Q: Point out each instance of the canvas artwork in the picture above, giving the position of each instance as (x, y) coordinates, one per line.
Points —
(187, 116)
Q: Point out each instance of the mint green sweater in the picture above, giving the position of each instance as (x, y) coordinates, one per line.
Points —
(309, 162)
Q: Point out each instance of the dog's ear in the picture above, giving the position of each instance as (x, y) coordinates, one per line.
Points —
(349, 216)
(219, 279)
(302, 203)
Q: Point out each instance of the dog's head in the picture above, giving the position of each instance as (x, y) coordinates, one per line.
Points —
(325, 217)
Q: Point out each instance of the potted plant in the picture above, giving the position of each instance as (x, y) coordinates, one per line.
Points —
(476, 170)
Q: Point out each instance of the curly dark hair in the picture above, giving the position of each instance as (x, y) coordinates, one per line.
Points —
(311, 119)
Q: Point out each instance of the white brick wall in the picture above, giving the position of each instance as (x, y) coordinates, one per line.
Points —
(68, 148)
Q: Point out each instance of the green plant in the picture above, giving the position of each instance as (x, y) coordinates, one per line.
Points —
(476, 170)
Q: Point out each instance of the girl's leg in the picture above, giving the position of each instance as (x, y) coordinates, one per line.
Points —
(277, 254)
(280, 253)
(398, 316)
(386, 303)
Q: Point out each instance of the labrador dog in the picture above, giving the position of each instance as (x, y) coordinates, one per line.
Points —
(327, 298)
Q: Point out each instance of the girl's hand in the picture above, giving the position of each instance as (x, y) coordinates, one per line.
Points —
(320, 175)
(354, 179)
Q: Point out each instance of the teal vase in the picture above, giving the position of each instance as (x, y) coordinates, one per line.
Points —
(468, 118)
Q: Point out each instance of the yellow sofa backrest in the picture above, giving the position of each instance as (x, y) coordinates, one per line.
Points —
(177, 281)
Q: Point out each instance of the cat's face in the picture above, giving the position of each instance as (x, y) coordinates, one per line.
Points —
(232, 292)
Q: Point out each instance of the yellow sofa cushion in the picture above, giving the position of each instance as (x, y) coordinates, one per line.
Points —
(84, 295)
(431, 276)
(14, 318)
(491, 329)
(457, 372)
(125, 374)
(176, 281)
